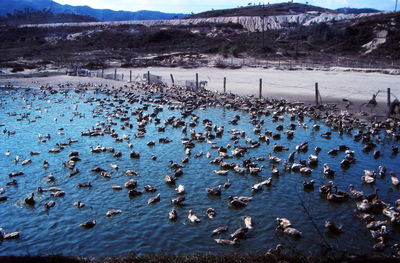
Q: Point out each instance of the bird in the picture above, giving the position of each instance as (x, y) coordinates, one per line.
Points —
(30, 200)
(150, 188)
(356, 194)
(309, 184)
(226, 241)
(237, 202)
(239, 233)
(130, 184)
(248, 222)
(227, 184)
(113, 212)
(395, 180)
(172, 215)
(328, 172)
(274, 159)
(219, 230)
(79, 204)
(88, 224)
(178, 200)
(214, 190)
(169, 179)
(49, 204)
(211, 213)
(180, 189)
(221, 172)
(154, 199)
(192, 217)
(332, 227)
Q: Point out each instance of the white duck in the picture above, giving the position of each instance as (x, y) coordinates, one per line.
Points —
(192, 217)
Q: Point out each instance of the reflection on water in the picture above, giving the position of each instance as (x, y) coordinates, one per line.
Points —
(144, 228)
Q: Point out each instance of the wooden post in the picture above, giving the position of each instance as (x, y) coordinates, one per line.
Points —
(197, 81)
(172, 79)
(122, 76)
(115, 74)
(148, 77)
(130, 75)
(260, 91)
(224, 84)
(102, 73)
(316, 93)
(389, 101)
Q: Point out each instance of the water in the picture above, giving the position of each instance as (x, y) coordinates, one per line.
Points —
(144, 228)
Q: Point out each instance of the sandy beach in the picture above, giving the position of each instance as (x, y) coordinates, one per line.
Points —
(297, 85)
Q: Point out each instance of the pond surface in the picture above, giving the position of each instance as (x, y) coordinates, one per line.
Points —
(145, 229)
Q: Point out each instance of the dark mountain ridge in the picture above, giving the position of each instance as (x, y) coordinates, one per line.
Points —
(42, 17)
(12, 6)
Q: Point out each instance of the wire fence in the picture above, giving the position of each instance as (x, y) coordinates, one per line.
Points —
(259, 82)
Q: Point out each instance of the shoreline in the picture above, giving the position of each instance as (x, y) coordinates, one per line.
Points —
(335, 87)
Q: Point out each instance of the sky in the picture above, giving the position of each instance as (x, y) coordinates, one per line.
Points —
(197, 6)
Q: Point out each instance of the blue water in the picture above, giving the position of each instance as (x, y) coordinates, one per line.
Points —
(143, 228)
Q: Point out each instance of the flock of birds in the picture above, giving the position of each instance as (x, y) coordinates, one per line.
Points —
(115, 108)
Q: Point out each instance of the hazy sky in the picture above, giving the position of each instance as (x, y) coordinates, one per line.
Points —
(196, 6)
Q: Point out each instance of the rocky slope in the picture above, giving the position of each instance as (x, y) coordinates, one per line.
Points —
(251, 23)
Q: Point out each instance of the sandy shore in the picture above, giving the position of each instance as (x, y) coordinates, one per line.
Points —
(292, 85)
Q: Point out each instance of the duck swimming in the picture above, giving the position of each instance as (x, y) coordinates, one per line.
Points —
(248, 222)
(88, 224)
(172, 215)
(219, 230)
(192, 217)
(30, 200)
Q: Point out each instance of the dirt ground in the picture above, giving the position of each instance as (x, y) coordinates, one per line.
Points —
(334, 86)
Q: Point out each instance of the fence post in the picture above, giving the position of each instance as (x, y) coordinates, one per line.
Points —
(224, 84)
(115, 74)
(316, 93)
(148, 77)
(122, 76)
(197, 81)
(102, 73)
(172, 79)
(389, 101)
(260, 91)
(130, 75)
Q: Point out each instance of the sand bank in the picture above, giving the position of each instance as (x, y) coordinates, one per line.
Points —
(292, 85)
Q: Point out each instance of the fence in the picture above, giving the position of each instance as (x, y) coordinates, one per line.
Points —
(333, 87)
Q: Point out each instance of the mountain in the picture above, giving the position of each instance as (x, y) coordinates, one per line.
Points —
(43, 17)
(15, 6)
(263, 10)
(348, 10)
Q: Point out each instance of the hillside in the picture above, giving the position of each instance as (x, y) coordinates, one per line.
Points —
(348, 10)
(263, 10)
(13, 6)
(38, 17)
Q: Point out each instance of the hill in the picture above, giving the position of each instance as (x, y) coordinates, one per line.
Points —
(373, 39)
(348, 10)
(42, 17)
(15, 6)
(263, 10)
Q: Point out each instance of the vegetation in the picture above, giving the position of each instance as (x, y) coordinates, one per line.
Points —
(263, 10)
(41, 17)
(95, 45)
